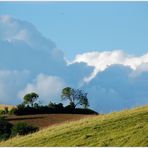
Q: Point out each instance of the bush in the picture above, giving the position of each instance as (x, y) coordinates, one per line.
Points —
(55, 106)
(18, 110)
(5, 129)
(51, 108)
(21, 106)
(70, 107)
(22, 128)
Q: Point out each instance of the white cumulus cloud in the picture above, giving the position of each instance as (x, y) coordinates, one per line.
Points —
(12, 29)
(102, 60)
(48, 87)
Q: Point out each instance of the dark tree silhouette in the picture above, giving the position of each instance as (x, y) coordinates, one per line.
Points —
(75, 97)
(30, 98)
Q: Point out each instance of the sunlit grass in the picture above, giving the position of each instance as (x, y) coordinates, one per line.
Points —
(125, 128)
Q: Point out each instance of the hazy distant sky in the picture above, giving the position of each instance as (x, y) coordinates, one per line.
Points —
(78, 27)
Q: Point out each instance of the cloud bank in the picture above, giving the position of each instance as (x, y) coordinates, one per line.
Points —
(118, 81)
(30, 62)
(115, 89)
(23, 48)
(102, 60)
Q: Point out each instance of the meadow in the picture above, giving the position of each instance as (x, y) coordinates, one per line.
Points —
(124, 128)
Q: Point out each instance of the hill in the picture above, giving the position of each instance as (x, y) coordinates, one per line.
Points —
(124, 128)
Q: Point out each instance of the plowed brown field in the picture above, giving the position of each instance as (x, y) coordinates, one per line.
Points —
(44, 120)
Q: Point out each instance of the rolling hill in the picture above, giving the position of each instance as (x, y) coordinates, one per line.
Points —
(124, 128)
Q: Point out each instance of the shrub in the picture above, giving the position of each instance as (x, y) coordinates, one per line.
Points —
(55, 106)
(70, 107)
(5, 129)
(21, 106)
(49, 109)
(22, 128)
(18, 110)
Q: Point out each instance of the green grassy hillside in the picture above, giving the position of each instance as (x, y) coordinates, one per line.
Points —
(125, 128)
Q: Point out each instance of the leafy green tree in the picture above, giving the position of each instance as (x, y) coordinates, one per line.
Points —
(66, 94)
(84, 102)
(75, 97)
(30, 98)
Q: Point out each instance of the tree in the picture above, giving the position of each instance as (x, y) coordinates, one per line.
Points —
(84, 102)
(75, 97)
(30, 98)
(66, 94)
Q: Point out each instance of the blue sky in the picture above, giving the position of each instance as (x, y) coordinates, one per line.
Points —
(105, 44)
(77, 27)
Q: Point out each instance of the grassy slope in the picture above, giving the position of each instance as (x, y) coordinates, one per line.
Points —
(125, 128)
